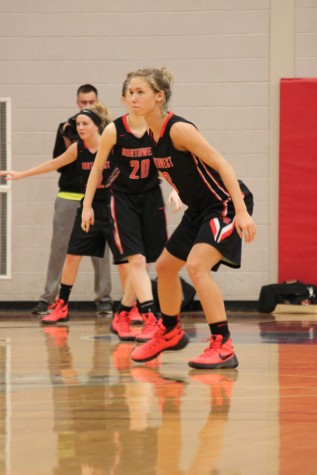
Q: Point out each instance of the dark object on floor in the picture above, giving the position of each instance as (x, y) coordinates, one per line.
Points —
(294, 292)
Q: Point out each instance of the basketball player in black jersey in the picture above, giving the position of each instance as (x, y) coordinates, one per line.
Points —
(210, 233)
(138, 213)
(70, 192)
(89, 122)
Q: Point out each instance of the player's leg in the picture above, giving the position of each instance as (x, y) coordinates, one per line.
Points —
(60, 307)
(64, 216)
(168, 283)
(142, 286)
(200, 261)
(220, 352)
(169, 334)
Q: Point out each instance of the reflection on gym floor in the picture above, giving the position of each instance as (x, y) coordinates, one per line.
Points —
(73, 402)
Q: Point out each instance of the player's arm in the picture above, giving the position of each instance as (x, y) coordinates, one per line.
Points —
(50, 165)
(107, 142)
(186, 137)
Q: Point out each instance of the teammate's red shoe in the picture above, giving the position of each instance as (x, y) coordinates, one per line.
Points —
(121, 356)
(59, 313)
(144, 374)
(155, 363)
(134, 316)
(166, 389)
(58, 335)
(162, 340)
(150, 325)
(121, 326)
(219, 354)
(220, 384)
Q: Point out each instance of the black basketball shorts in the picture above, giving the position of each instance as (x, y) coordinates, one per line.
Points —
(140, 223)
(93, 243)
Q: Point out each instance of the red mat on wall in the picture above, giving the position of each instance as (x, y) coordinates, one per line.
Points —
(297, 242)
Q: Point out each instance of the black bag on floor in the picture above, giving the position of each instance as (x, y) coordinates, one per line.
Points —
(292, 293)
(188, 293)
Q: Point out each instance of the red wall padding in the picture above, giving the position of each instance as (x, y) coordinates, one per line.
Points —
(297, 242)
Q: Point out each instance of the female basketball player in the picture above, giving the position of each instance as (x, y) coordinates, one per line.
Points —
(137, 210)
(90, 123)
(218, 216)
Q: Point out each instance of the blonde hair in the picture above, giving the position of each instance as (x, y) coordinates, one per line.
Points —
(102, 111)
(160, 80)
(125, 84)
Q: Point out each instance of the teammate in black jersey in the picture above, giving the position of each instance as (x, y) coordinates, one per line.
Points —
(138, 214)
(89, 122)
(218, 216)
(70, 192)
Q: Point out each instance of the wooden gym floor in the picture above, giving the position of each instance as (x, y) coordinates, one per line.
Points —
(73, 403)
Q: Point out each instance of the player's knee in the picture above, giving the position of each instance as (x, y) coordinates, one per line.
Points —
(137, 261)
(161, 266)
(71, 259)
(194, 270)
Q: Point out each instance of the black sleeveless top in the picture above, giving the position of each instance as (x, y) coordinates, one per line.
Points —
(85, 161)
(199, 186)
(133, 157)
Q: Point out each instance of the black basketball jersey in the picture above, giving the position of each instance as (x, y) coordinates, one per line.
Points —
(198, 185)
(85, 161)
(133, 157)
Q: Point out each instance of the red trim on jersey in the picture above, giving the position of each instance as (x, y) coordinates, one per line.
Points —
(213, 178)
(214, 226)
(196, 160)
(125, 123)
(225, 208)
(115, 226)
(169, 116)
(221, 233)
(226, 231)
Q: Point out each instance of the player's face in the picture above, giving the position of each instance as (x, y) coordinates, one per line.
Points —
(141, 97)
(86, 128)
(86, 99)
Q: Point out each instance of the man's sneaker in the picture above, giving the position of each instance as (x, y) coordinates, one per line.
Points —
(121, 326)
(104, 307)
(134, 315)
(162, 340)
(41, 308)
(59, 313)
(150, 325)
(219, 354)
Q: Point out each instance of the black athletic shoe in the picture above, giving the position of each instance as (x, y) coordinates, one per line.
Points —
(41, 308)
(105, 307)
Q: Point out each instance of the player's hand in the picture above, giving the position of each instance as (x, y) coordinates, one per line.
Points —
(87, 219)
(174, 201)
(10, 174)
(245, 226)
